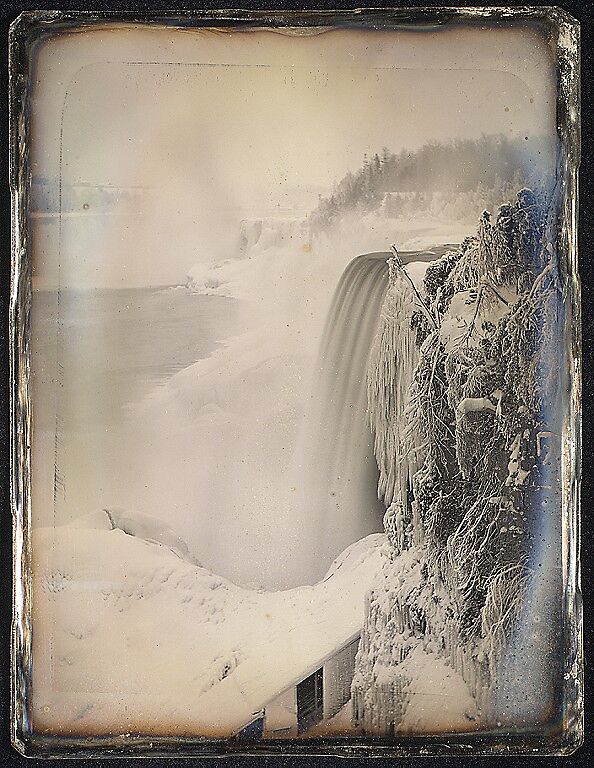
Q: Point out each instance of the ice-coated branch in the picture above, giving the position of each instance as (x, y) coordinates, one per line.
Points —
(396, 261)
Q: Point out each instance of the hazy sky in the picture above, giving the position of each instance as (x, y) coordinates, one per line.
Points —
(225, 124)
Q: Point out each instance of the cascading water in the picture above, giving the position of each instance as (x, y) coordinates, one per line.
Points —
(339, 465)
(345, 492)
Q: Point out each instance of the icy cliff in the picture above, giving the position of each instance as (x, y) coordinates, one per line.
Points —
(459, 417)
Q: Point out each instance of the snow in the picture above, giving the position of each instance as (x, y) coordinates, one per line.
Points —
(130, 638)
(438, 700)
(404, 676)
(463, 321)
(150, 529)
(475, 404)
(244, 409)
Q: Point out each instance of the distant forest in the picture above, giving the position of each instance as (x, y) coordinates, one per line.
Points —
(455, 180)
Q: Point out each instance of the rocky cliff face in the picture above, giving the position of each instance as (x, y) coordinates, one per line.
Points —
(463, 392)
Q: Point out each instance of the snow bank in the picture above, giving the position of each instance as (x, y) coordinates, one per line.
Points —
(437, 698)
(150, 529)
(129, 638)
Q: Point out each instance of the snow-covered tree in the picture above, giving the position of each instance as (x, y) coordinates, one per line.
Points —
(461, 396)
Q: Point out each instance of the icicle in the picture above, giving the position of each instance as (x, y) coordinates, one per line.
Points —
(390, 372)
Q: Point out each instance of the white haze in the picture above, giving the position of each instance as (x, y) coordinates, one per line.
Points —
(218, 128)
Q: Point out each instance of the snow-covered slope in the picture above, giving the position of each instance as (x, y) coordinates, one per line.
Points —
(129, 638)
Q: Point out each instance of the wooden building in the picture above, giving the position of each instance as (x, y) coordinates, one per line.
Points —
(316, 696)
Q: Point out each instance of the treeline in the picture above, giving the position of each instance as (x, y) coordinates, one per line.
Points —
(457, 179)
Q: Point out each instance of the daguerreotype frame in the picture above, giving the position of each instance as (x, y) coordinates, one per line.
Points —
(453, 594)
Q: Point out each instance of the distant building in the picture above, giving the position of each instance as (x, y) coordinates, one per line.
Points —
(315, 696)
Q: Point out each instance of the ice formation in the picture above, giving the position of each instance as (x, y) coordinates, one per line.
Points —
(457, 415)
(390, 373)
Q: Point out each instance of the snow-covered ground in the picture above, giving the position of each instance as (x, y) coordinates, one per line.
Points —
(130, 637)
(437, 698)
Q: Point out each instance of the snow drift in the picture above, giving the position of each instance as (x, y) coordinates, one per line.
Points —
(132, 639)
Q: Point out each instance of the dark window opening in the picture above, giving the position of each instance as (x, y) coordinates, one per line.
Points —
(252, 731)
(310, 701)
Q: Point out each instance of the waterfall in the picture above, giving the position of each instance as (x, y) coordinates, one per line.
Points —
(341, 471)
(346, 494)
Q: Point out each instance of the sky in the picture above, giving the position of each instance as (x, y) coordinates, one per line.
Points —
(219, 125)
